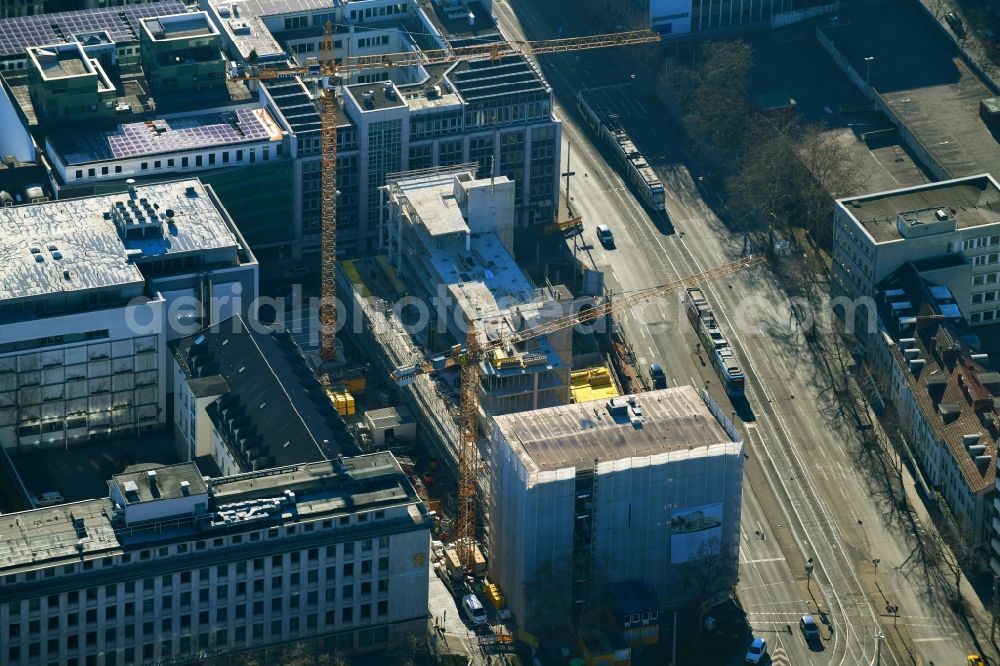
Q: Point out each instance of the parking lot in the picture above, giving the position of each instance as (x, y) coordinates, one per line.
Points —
(921, 77)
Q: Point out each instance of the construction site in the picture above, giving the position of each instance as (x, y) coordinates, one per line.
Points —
(477, 352)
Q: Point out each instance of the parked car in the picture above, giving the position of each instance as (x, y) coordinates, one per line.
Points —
(474, 610)
(954, 22)
(49, 499)
(809, 628)
(757, 652)
(658, 376)
(605, 236)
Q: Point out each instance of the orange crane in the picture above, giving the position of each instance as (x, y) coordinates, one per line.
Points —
(329, 67)
(476, 352)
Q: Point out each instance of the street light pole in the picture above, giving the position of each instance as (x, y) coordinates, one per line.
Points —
(868, 71)
(879, 637)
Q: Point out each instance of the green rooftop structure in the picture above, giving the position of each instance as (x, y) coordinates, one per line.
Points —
(182, 52)
(63, 82)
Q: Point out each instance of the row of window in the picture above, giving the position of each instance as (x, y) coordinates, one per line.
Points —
(981, 242)
(985, 297)
(274, 532)
(199, 160)
(372, 42)
(982, 317)
(15, 655)
(374, 12)
(986, 259)
(985, 278)
(187, 604)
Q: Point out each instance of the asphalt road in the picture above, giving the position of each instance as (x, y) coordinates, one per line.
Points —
(804, 491)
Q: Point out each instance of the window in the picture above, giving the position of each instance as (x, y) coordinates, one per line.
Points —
(184, 162)
(144, 166)
(239, 155)
(90, 173)
(347, 614)
(348, 569)
(170, 162)
(225, 156)
(157, 164)
(104, 171)
(118, 169)
(197, 163)
(211, 158)
(79, 173)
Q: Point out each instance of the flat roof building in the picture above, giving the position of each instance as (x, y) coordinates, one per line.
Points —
(639, 488)
(173, 566)
(120, 26)
(91, 291)
(949, 231)
(450, 237)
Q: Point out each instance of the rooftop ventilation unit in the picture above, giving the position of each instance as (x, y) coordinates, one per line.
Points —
(185, 488)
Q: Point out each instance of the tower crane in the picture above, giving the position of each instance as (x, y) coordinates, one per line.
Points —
(477, 351)
(327, 66)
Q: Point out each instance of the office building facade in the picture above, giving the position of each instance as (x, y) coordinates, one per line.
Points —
(173, 567)
(92, 291)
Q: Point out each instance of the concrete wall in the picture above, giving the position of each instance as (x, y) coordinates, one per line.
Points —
(636, 499)
(531, 533)
(14, 139)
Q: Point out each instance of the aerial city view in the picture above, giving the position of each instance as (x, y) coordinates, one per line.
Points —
(499, 332)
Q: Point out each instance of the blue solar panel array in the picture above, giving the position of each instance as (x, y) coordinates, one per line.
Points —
(140, 139)
(121, 23)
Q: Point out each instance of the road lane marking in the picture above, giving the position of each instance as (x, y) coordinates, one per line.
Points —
(766, 559)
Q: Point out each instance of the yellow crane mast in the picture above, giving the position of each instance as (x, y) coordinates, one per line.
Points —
(329, 67)
(476, 352)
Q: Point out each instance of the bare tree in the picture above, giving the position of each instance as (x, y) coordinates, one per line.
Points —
(698, 580)
(953, 548)
(411, 650)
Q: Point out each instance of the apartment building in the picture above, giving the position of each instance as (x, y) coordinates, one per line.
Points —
(450, 236)
(92, 290)
(245, 395)
(640, 488)
(948, 231)
(939, 376)
(174, 567)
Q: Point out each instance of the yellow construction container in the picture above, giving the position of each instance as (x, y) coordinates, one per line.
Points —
(494, 596)
(343, 401)
(592, 384)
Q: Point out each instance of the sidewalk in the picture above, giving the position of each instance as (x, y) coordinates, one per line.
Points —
(976, 615)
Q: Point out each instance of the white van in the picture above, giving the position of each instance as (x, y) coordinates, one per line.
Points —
(474, 610)
(49, 499)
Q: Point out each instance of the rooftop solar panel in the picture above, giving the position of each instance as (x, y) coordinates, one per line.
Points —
(19, 33)
(191, 132)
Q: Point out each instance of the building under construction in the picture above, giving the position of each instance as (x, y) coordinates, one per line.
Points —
(643, 488)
